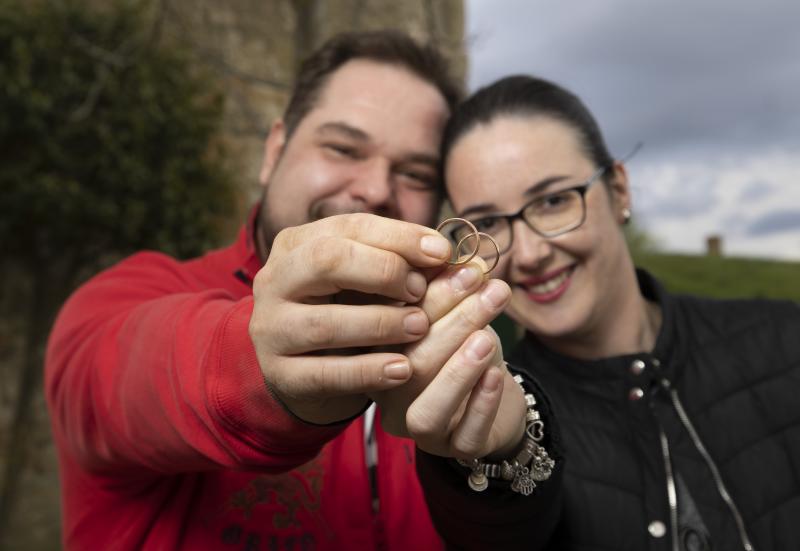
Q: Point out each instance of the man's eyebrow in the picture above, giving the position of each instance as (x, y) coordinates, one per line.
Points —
(338, 127)
(343, 128)
(422, 158)
(531, 191)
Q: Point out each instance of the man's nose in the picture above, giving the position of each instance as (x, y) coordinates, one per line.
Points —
(373, 185)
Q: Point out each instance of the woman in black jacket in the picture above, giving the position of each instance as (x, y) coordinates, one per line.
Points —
(679, 416)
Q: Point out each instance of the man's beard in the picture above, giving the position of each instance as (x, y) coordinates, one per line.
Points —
(267, 230)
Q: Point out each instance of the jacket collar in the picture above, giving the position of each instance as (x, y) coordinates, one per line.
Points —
(244, 249)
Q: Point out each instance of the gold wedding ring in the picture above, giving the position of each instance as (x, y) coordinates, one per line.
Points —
(476, 235)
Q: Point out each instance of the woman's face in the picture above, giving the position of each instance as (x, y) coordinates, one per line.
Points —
(562, 287)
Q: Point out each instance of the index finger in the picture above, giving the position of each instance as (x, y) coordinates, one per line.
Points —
(419, 245)
(452, 285)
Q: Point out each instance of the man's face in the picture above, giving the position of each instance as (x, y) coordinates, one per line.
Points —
(370, 144)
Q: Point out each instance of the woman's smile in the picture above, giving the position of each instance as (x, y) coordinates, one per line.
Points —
(548, 287)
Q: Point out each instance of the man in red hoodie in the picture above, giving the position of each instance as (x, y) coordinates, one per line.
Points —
(217, 403)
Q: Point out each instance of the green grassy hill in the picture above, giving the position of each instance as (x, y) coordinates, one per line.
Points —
(710, 276)
(723, 277)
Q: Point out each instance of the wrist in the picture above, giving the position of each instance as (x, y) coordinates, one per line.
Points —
(530, 464)
(514, 444)
(322, 412)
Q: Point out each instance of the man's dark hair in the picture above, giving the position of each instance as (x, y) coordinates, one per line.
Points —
(387, 46)
(522, 95)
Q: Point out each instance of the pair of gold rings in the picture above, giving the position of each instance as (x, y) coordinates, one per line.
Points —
(458, 258)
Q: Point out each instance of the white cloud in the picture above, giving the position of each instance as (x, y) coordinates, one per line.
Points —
(710, 87)
(682, 202)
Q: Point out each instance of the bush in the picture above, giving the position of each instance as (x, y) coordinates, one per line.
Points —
(107, 141)
(108, 144)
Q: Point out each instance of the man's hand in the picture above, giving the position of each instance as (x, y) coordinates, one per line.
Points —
(297, 330)
(461, 401)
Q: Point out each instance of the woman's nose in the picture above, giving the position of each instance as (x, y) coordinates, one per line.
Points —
(529, 248)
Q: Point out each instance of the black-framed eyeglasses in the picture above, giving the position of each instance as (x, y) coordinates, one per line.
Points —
(549, 215)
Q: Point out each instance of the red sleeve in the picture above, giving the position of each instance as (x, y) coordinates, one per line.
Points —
(141, 371)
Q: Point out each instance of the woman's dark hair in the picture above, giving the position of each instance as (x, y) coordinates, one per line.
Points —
(530, 96)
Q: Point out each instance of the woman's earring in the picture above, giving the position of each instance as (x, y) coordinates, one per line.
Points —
(626, 215)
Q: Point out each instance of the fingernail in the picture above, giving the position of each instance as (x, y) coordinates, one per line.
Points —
(416, 284)
(416, 323)
(465, 278)
(495, 294)
(436, 246)
(491, 380)
(398, 371)
(479, 346)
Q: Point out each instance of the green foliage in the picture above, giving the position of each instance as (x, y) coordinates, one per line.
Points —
(107, 141)
(639, 241)
(722, 277)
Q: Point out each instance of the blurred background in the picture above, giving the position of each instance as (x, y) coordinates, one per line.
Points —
(139, 124)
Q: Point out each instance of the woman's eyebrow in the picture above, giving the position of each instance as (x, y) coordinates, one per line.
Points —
(483, 207)
(543, 184)
(533, 190)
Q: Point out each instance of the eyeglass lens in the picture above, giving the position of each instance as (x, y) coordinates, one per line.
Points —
(551, 215)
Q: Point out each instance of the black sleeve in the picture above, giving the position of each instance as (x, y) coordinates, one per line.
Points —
(496, 518)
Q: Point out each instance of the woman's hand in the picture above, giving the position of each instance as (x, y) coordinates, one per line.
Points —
(460, 401)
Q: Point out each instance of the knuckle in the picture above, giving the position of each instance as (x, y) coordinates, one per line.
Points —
(318, 382)
(383, 326)
(320, 331)
(320, 377)
(390, 269)
(269, 336)
(259, 281)
(255, 329)
(276, 376)
(360, 221)
(326, 255)
(263, 278)
(457, 376)
(377, 227)
(419, 423)
(468, 315)
(259, 327)
(334, 377)
(283, 239)
(353, 224)
(282, 333)
(364, 376)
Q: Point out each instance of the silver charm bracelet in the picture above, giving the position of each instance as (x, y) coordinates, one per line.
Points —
(531, 465)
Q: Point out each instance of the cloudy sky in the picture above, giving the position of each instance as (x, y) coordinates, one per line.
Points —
(712, 88)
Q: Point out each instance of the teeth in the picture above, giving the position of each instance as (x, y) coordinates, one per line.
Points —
(550, 284)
